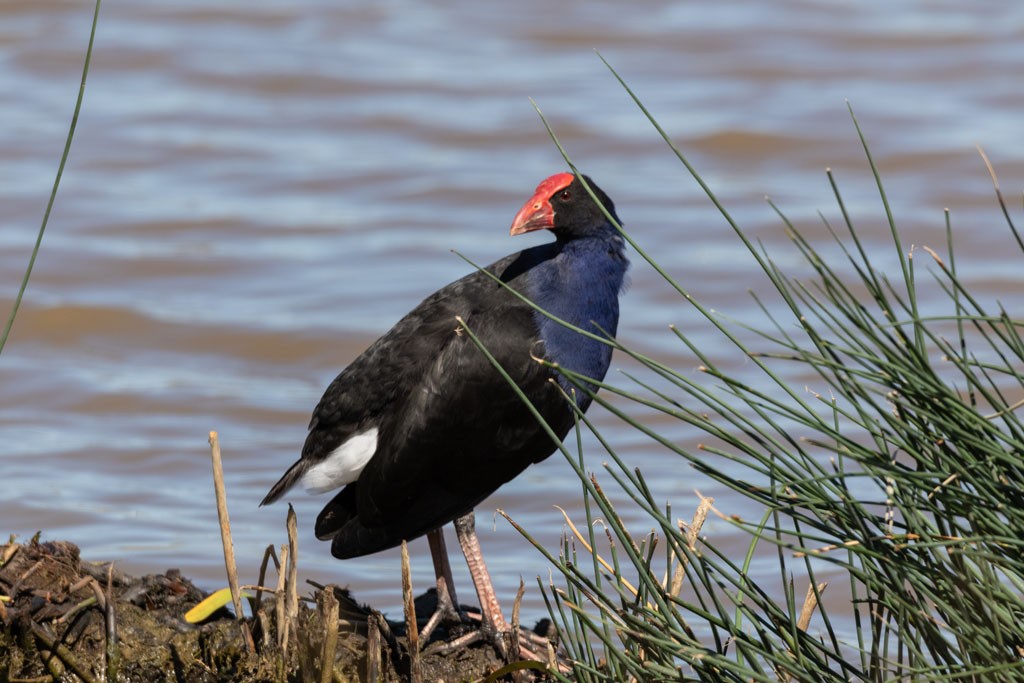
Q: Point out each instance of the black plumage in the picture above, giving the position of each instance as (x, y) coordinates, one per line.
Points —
(450, 429)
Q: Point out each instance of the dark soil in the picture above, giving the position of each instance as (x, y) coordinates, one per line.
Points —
(62, 619)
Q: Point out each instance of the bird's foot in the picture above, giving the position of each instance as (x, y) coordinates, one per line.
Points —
(501, 641)
(446, 612)
(512, 645)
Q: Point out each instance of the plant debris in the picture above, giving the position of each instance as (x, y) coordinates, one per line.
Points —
(65, 619)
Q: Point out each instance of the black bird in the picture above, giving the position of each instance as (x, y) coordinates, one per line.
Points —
(421, 428)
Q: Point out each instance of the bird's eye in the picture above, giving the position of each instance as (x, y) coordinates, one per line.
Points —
(565, 195)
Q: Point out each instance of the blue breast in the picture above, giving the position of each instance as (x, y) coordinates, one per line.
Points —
(581, 285)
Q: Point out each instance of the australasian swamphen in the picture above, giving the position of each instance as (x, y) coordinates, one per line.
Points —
(421, 427)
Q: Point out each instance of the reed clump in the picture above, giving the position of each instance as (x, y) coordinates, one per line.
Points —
(890, 482)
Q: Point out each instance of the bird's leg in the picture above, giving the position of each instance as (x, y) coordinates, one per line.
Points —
(442, 569)
(493, 624)
(447, 602)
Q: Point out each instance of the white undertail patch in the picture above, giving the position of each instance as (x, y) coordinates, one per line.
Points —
(343, 465)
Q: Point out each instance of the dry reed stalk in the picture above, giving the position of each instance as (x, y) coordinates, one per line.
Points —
(692, 534)
(98, 594)
(112, 651)
(372, 649)
(412, 634)
(9, 552)
(328, 604)
(582, 540)
(268, 554)
(515, 650)
(292, 584)
(279, 607)
(225, 537)
(804, 620)
(810, 603)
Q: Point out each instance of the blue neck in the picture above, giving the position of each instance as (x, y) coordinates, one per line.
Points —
(581, 285)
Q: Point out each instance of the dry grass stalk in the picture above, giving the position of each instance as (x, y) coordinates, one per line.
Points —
(113, 650)
(582, 540)
(9, 553)
(225, 537)
(516, 605)
(98, 594)
(515, 650)
(810, 604)
(328, 605)
(692, 534)
(804, 620)
(279, 608)
(292, 582)
(268, 554)
(372, 648)
(412, 634)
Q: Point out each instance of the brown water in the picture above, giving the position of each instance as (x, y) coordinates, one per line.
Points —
(257, 190)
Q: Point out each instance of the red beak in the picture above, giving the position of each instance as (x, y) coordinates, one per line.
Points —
(535, 215)
(537, 212)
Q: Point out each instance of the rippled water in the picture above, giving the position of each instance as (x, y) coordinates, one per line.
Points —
(256, 191)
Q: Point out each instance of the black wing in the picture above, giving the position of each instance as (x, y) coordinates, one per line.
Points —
(367, 391)
(457, 434)
(456, 437)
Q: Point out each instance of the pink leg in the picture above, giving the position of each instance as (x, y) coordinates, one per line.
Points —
(442, 569)
(490, 610)
(447, 601)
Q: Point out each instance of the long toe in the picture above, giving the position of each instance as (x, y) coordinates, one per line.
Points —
(443, 613)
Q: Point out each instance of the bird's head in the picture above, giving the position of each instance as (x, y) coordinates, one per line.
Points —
(561, 204)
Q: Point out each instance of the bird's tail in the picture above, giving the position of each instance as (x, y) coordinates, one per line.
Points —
(293, 474)
(340, 523)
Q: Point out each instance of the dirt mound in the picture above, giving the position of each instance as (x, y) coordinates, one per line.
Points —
(65, 619)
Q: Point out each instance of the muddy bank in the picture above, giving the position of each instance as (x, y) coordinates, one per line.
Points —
(67, 619)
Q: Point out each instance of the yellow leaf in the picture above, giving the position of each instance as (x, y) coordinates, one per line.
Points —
(213, 602)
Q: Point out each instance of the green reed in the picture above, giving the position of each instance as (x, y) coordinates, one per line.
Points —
(56, 183)
(902, 475)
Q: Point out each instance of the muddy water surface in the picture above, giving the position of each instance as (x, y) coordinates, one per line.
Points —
(256, 191)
